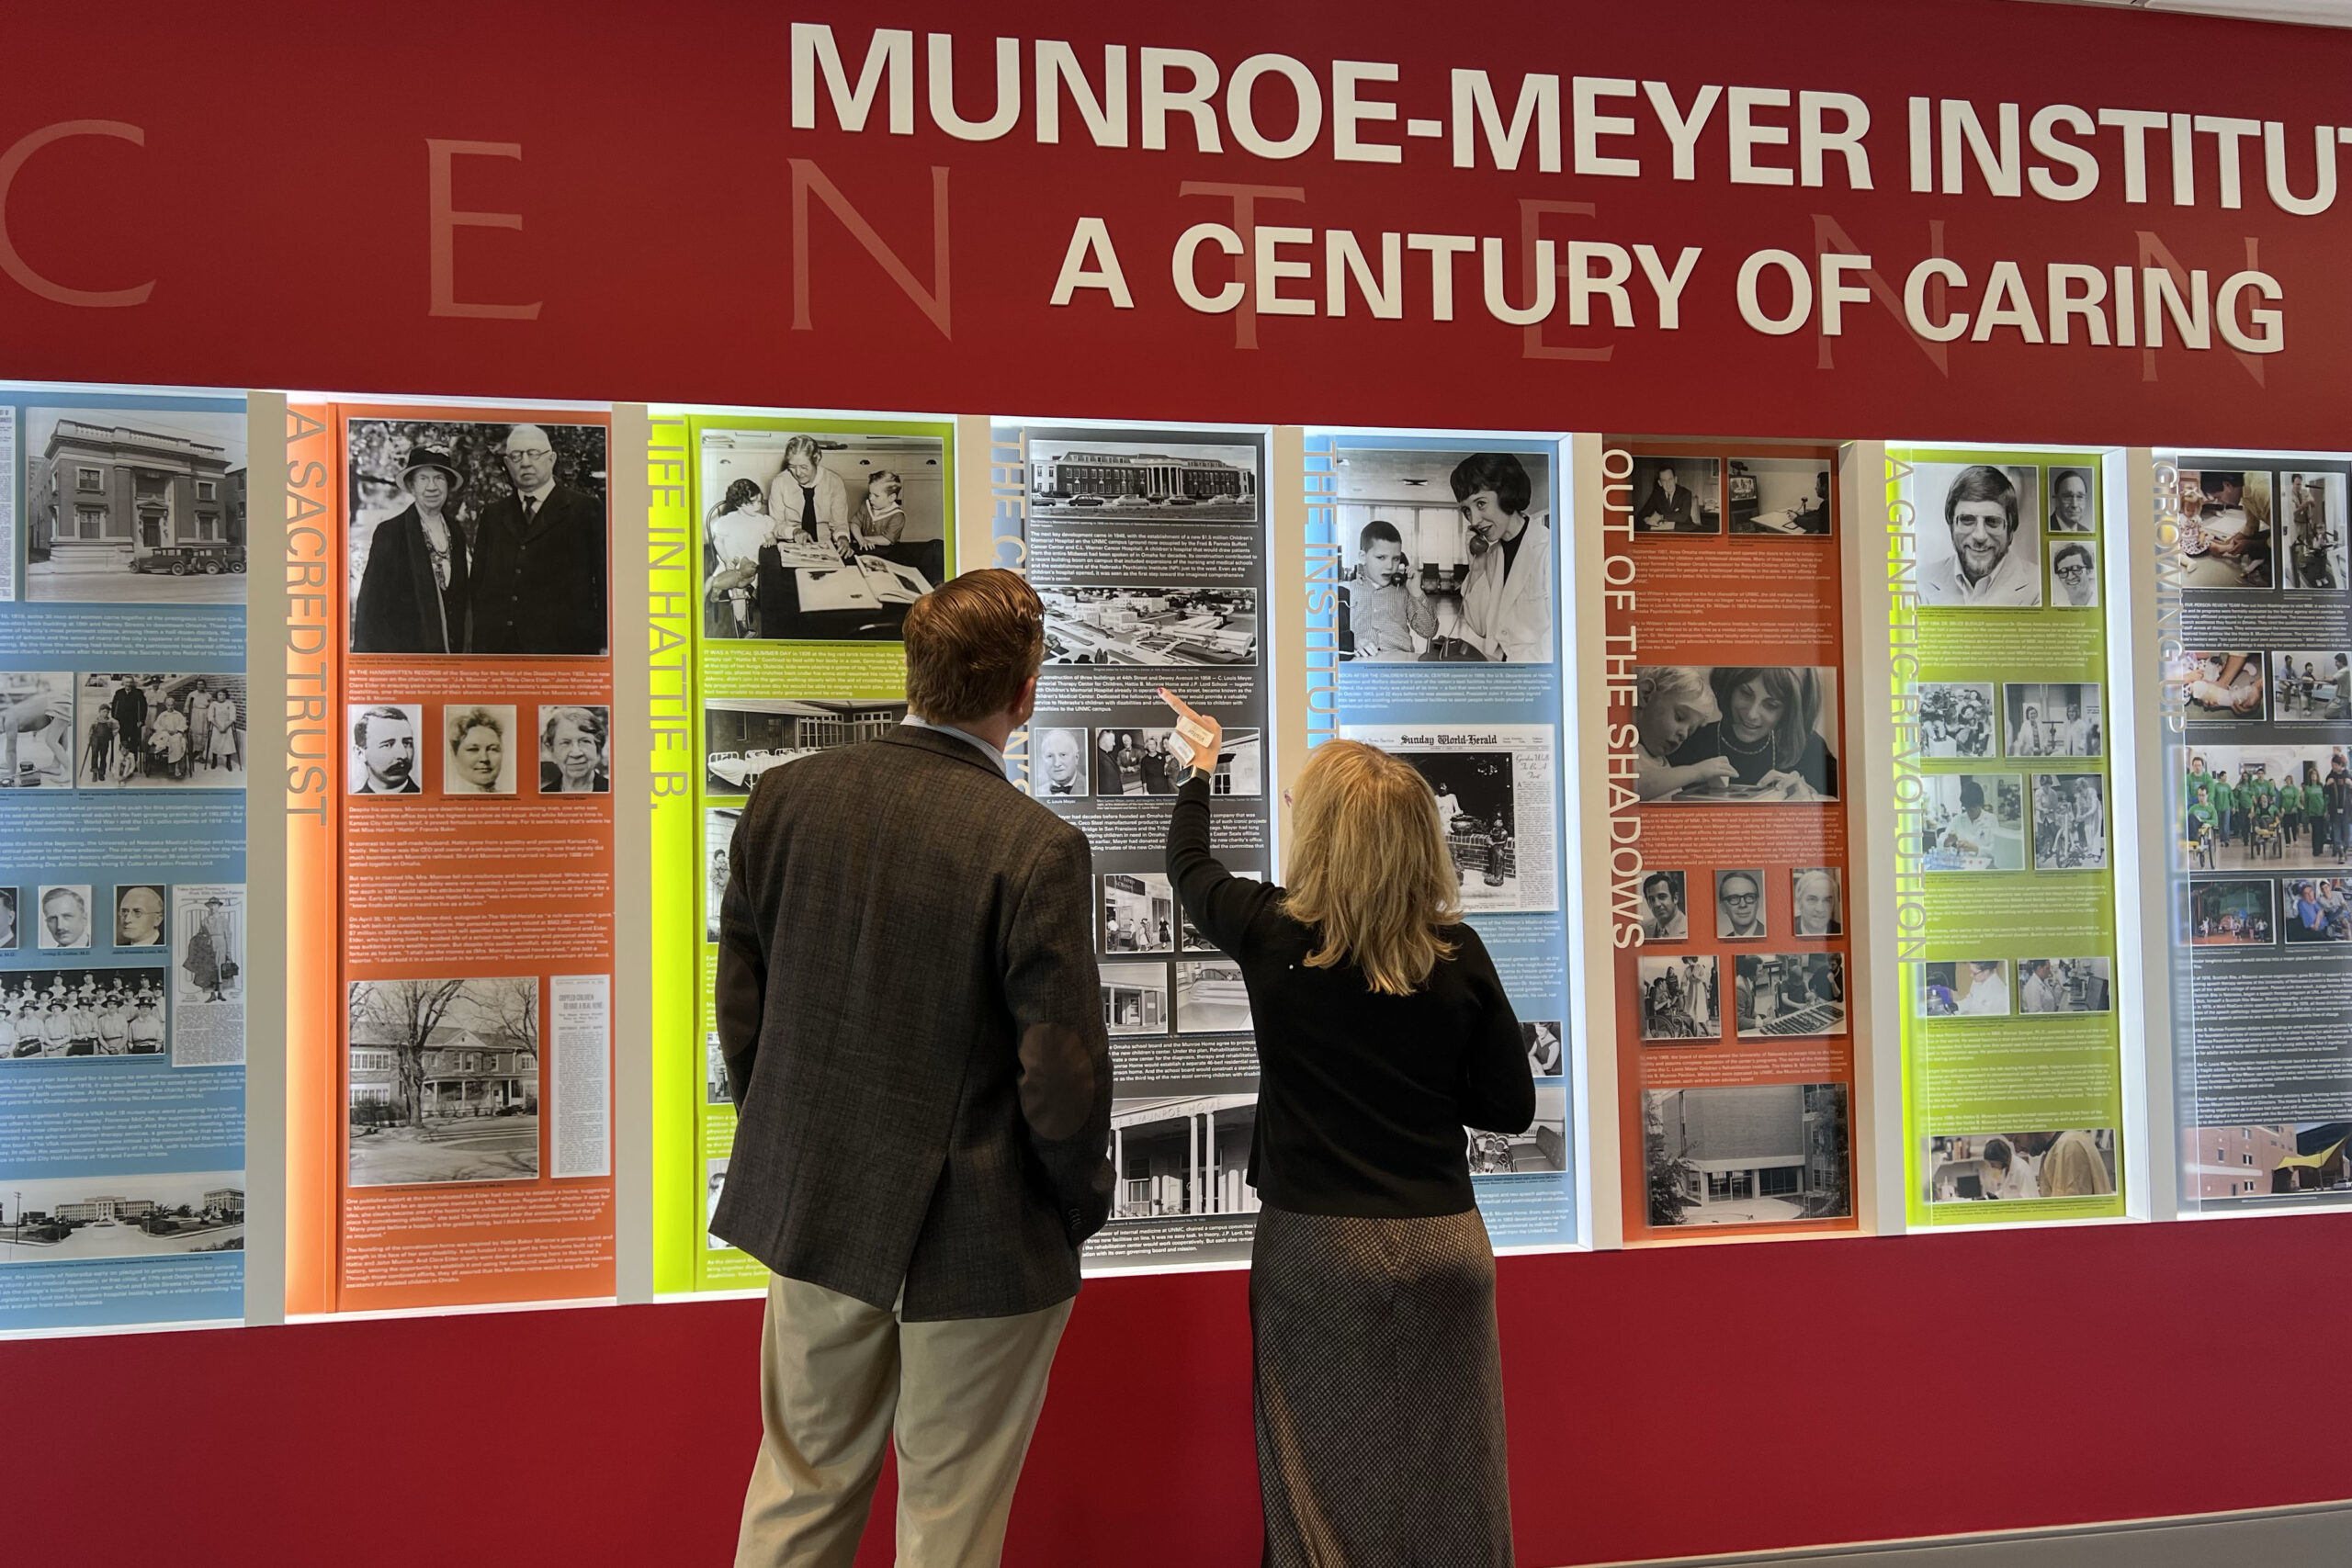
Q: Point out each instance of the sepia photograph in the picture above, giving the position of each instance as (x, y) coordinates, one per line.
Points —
(444, 1080)
(2074, 574)
(1746, 1154)
(139, 913)
(479, 757)
(1711, 734)
(1210, 997)
(2215, 687)
(1988, 1166)
(1676, 495)
(1739, 905)
(1138, 912)
(1143, 482)
(1679, 999)
(1817, 899)
(1546, 1051)
(1135, 999)
(717, 843)
(1145, 761)
(1541, 1150)
(2053, 719)
(1182, 1157)
(1979, 536)
(208, 975)
(1973, 822)
(2316, 908)
(139, 731)
(70, 1219)
(2225, 531)
(1666, 911)
(2229, 914)
(1956, 719)
(1445, 556)
(2073, 500)
(65, 920)
(2314, 525)
(2069, 822)
(2065, 984)
(1151, 626)
(476, 537)
(383, 758)
(2266, 807)
(1783, 497)
(1788, 994)
(2313, 686)
(824, 536)
(51, 1014)
(37, 733)
(1964, 987)
(575, 749)
(745, 737)
(1058, 766)
(134, 506)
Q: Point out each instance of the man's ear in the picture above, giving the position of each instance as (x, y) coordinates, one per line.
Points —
(1025, 704)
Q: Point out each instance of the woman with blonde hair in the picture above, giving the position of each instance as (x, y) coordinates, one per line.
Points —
(1383, 1032)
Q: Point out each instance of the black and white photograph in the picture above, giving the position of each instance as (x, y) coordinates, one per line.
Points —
(1135, 999)
(134, 506)
(714, 1182)
(1210, 997)
(1740, 905)
(2074, 574)
(1676, 495)
(1146, 760)
(2231, 913)
(51, 1014)
(476, 537)
(2226, 536)
(444, 1080)
(714, 1071)
(2065, 984)
(66, 922)
(1681, 998)
(2216, 687)
(717, 843)
(1059, 769)
(1086, 476)
(1189, 935)
(37, 733)
(1979, 535)
(478, 748)
(1541, 1150)
(1138, 912)
(207, 1022)
(1956, 719)
(1666, 908)
(819, 535)
(1964, 987)
(2315, 909)
(139, 913)
(1711, 734)
(1494, 787)
(1972, 822)
(1746, 1154)
(2266, 808)
(1546, 1045)
(1778, 497)
(148, 732)
(745, 737)
(1971, 1168)
(1817, 901)
(575, 749)
(384, 758)
(2069, 822)
(1151, 626)
(1786, 995)
(1182, 1157)
(68, 1219)
(9, 940)
(2053, 719)
(2314, 524)
(2310, 686)
(2073, 500)
(1445, 556)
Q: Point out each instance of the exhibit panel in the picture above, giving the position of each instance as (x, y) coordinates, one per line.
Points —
(2003, 847)
(123, 911)
(1434, 624)
(2255, 710)
(464, 858)
(1730, 885)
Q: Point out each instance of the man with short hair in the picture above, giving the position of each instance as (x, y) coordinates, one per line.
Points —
(65, 918)
(2077, 576)
(538, 558)
(2070, 502)
(1667, 508)
(1739, 905)
(1663, 917)
(1061, 758)
(1986, 569)
(138, 917)
(385, 739)
(911, 1023)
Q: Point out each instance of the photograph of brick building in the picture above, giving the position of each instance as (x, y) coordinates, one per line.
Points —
(134, 505)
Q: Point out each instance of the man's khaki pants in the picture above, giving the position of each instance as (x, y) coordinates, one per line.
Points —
(837, 1375)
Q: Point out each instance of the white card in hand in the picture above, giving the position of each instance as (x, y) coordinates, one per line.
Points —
(1192, 729)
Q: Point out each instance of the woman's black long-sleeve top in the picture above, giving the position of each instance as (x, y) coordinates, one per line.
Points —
(1362, 1097)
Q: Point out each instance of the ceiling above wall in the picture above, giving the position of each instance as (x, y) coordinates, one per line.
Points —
(2315, 12)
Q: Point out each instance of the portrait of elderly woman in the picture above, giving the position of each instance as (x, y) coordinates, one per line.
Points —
(413, 594)
(1757, 733)
(574, 754)
(481, 761)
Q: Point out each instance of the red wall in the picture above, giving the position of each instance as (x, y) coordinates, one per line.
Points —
(1668, 1401)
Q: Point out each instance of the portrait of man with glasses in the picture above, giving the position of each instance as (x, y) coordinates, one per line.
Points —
(2075, 570)
(539, 569)
(1739, 905)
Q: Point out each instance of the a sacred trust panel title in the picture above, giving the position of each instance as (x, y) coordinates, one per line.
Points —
(1277, 108)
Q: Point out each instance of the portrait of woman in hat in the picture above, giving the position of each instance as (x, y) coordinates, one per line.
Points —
(413, 596)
